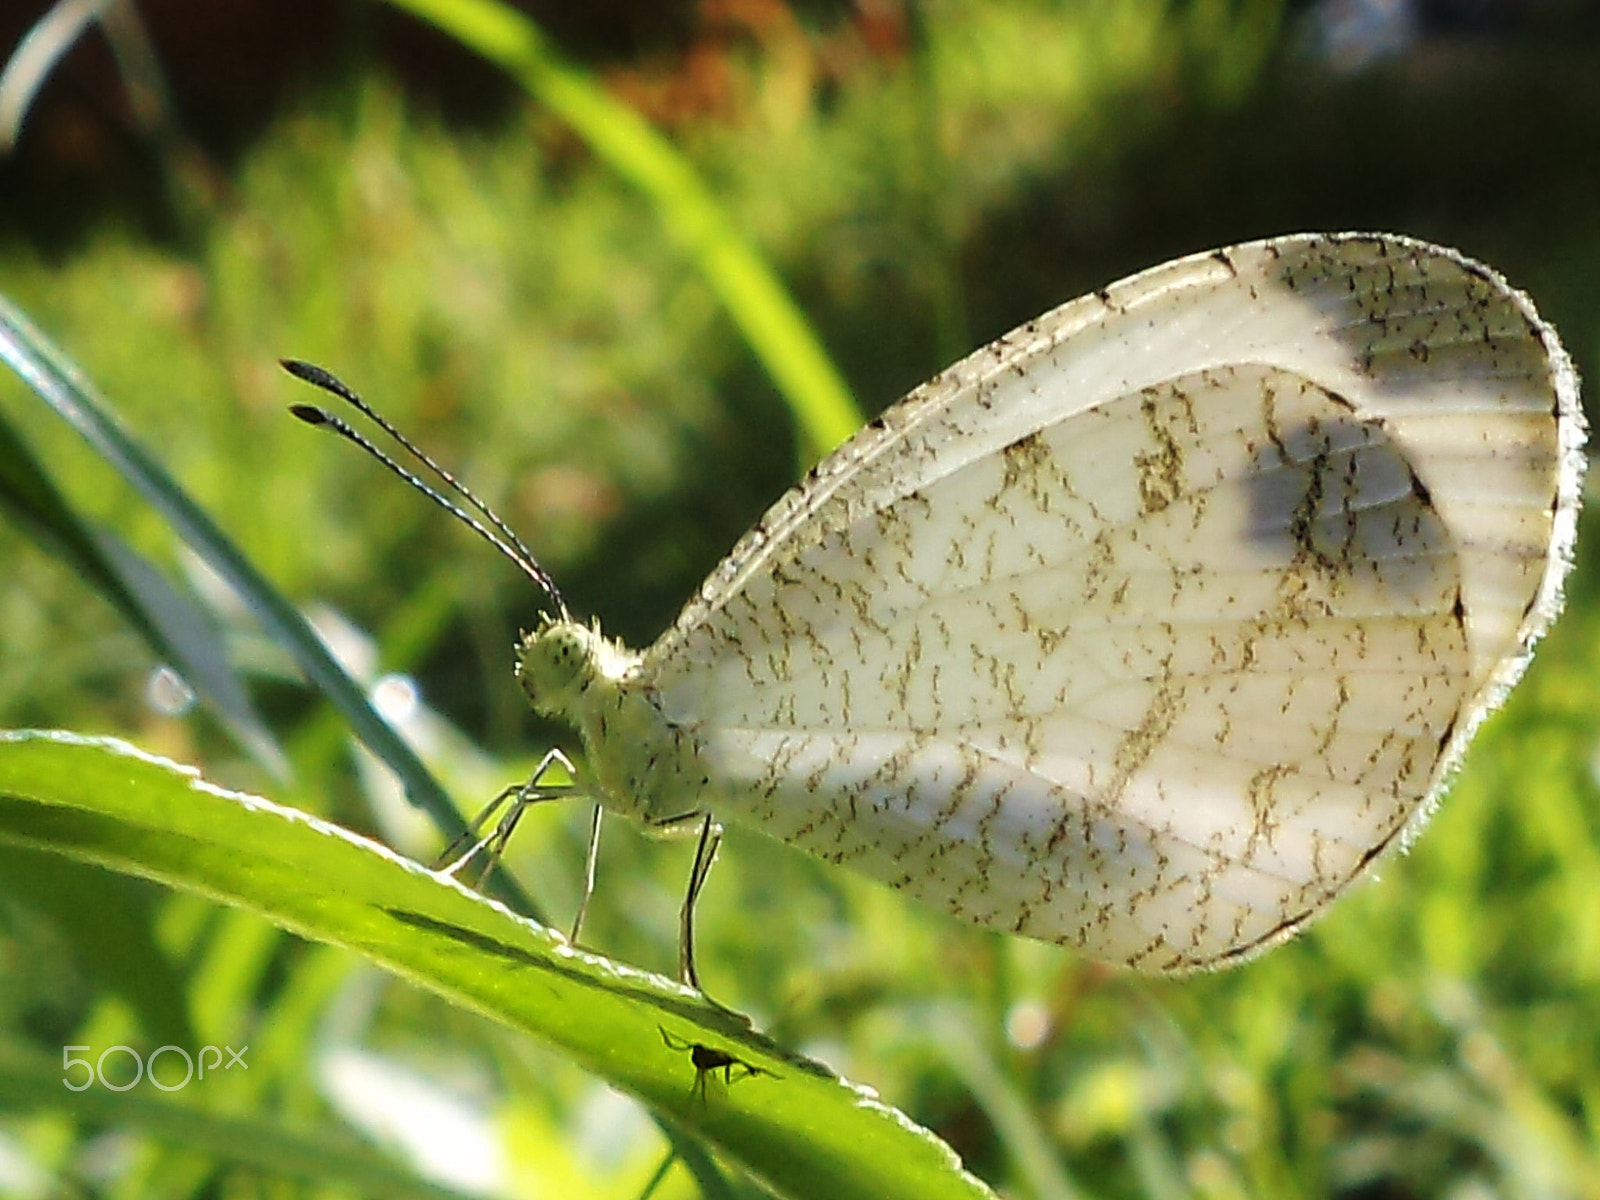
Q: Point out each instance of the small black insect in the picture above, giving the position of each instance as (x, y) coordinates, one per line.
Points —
(707, 1060)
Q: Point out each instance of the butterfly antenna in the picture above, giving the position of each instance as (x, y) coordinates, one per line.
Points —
(328, 382)
(501, 536)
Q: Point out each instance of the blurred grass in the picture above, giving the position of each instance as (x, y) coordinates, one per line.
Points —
(623, 141)
(524, 313)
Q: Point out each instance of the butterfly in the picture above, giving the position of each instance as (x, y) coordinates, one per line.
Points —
(1146, 629)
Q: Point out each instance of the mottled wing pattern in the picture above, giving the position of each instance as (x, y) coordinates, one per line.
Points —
(1147, 627)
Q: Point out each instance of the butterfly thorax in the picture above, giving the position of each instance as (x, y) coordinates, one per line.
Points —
(640, 764)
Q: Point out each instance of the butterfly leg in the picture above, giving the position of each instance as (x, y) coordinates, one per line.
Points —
(591, 860)
(467, 843)
(516, 800)
(705, 854)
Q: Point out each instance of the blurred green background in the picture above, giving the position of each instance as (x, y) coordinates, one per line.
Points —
(341, 183)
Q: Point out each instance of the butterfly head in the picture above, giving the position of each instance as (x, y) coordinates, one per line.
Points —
(562, 663)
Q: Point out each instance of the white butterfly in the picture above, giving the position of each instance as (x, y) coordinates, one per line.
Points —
(1145, 629)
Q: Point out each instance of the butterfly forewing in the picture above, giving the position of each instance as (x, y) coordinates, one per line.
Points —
(1145, 628)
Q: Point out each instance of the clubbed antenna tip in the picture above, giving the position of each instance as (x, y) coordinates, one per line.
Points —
(501, 537)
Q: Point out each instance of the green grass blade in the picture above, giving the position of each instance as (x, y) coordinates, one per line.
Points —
(797, 1127)
(771, 323)
(40, 511)
(172, 626)
(57, 381)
